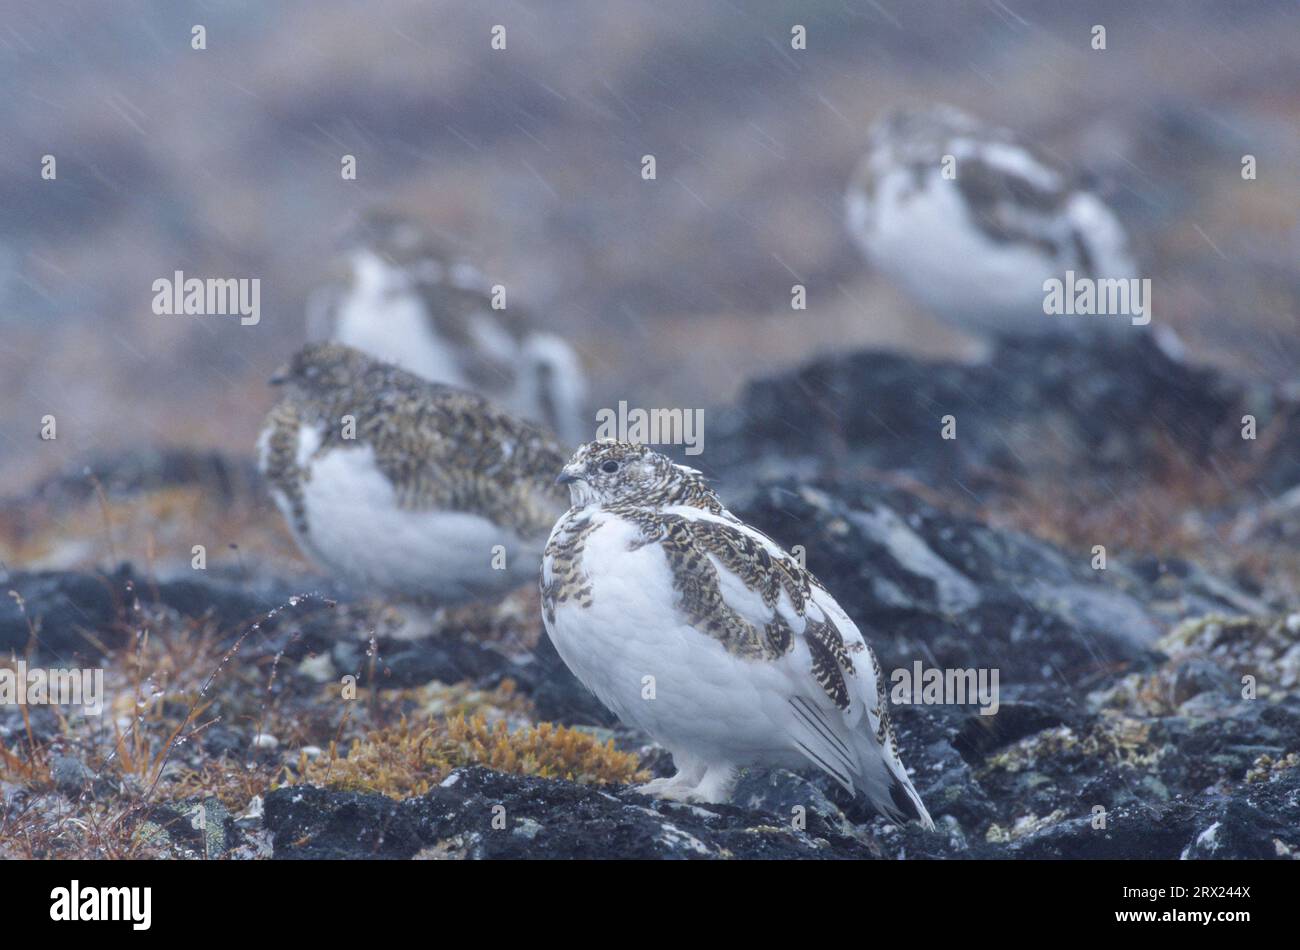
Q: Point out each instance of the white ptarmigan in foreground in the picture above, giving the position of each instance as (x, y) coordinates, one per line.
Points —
(404, 485)
(404, 300)
(971, 222)
(701, 631)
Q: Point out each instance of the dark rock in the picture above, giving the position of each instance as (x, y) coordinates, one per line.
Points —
(76, 614)
(1250, 822)
(536, 818)
(449, 658)
(1256, 822)
(446, 657)
(1047, 410)
(143, 469)
(57, 609)
(313, 823)
(235, 603)
(63, 606)
(477, 813)
(1202, 751)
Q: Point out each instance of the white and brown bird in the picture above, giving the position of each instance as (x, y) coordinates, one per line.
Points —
(701, 631)
(405, 300)
(970, 222)
(411, 487)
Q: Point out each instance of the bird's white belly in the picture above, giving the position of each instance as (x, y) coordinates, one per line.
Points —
(636, 652)
(394, 328)
(356, 529)
(926, 241)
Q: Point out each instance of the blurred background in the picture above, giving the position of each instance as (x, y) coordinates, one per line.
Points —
(226, 162)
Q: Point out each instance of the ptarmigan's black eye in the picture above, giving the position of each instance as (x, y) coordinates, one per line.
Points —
(611, 466)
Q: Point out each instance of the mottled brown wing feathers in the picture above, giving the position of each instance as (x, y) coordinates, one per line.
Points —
(441, 448)
(692, 547)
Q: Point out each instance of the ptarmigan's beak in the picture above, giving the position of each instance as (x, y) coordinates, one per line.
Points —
(569, 474)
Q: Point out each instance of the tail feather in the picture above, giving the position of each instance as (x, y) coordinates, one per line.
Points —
(908, 803)
(886, 783)
(858, 762)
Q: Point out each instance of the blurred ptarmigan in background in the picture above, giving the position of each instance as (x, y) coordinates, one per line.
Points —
(701, 631)
(971, 222)
(403, 299)
(396, 483)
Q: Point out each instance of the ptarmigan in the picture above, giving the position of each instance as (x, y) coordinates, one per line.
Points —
(404, 300)
(405, 485)
(971, 222)
(701, 631)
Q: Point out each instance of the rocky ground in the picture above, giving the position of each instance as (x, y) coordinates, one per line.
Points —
(1150, 708)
